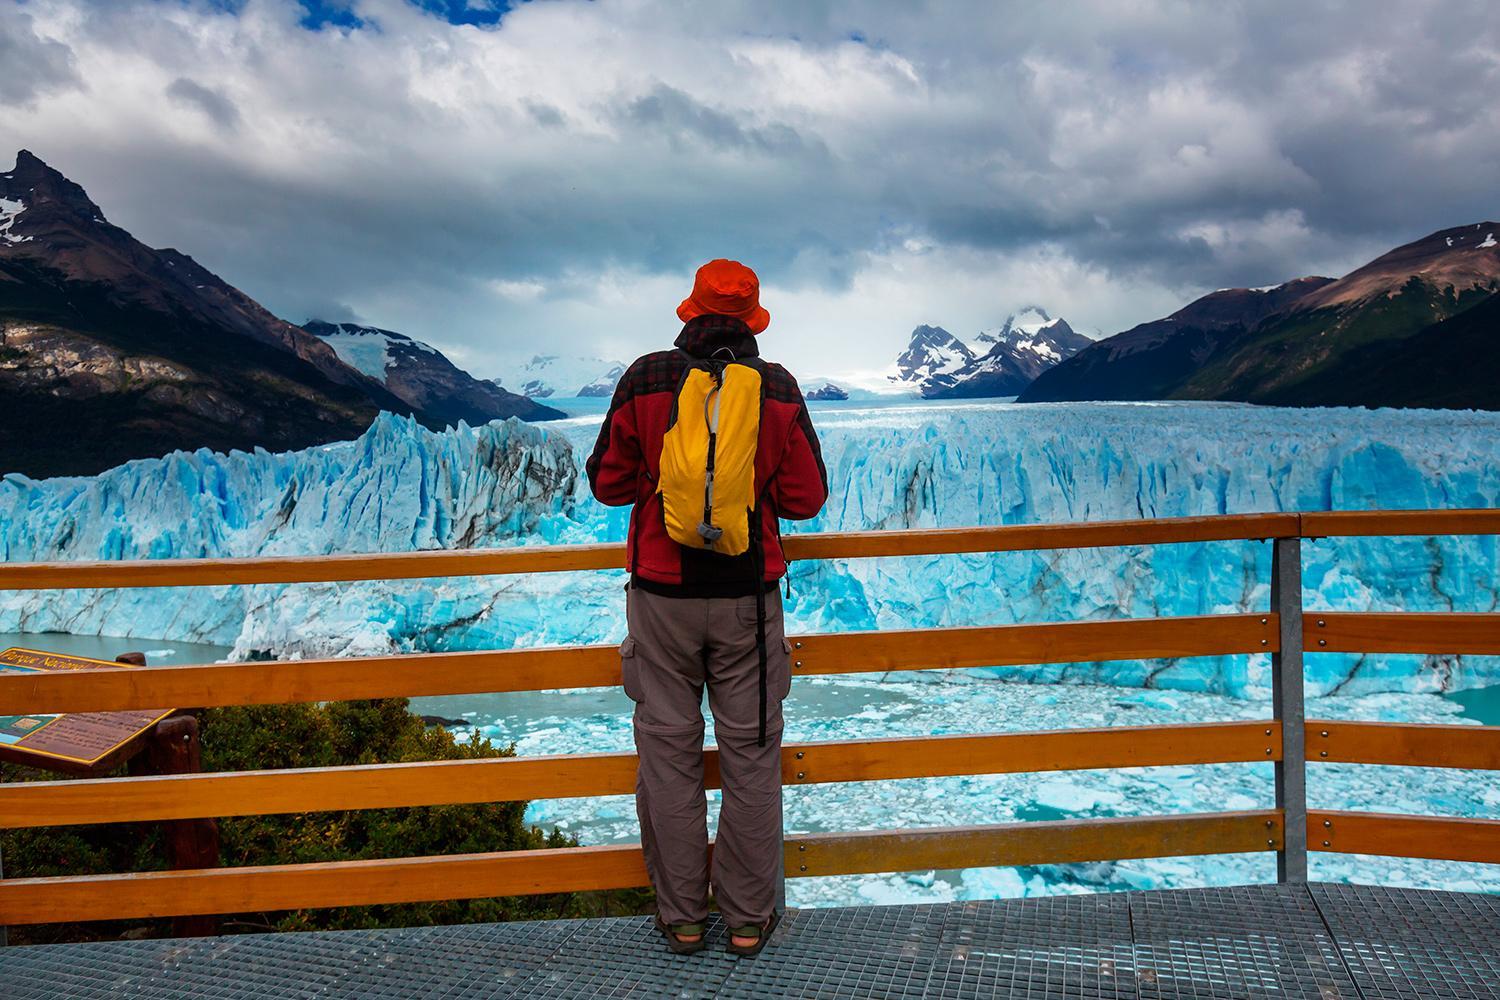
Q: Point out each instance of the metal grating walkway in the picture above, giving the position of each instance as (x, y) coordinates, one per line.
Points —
(1319, 942)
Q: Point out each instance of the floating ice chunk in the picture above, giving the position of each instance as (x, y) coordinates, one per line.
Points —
(991, 883)
(1067, 795)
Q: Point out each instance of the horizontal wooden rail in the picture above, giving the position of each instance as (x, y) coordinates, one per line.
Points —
(428, 783)
(1052, 842)
(1333, 523)
(334, 568)
(471, 876)
(1024, 752)
(345, 567)
(1439, 838)
(1400, 632)
(1406, 744)
(339, 679)
(561, 558)
(1007, 645)
(340, 883)
(418, 674)
(1034, 537)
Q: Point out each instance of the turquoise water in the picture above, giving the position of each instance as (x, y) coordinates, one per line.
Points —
(1479, 704)
(159, 652)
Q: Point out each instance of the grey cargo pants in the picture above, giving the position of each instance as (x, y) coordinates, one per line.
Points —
(676, 645)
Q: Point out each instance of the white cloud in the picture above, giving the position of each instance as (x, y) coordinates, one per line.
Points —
(517, 291)
(557, 178)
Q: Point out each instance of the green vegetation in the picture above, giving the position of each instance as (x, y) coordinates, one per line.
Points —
(281, 736)
(1296, 360)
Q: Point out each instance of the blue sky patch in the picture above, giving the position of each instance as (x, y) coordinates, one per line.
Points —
(338, 13)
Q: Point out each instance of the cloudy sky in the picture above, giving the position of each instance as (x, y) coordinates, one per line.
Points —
(501, 179)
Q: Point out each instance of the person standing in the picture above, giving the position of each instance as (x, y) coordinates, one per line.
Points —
(711, 445)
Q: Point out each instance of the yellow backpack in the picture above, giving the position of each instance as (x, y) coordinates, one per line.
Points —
(707, 484)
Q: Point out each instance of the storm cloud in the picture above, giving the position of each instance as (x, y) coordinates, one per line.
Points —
(550, 181)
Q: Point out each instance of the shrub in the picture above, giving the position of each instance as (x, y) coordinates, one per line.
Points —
(316, 735)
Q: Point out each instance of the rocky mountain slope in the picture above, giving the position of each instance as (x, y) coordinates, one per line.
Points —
(111, 350)
(1313, 341)
(422, 377)
(1451, 364)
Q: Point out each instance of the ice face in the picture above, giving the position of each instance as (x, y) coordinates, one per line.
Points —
(401, 487)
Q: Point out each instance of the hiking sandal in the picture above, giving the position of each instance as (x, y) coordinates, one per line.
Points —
(679, 946)
(762, 935)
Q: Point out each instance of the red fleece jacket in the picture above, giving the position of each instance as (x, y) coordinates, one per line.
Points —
(625, 464)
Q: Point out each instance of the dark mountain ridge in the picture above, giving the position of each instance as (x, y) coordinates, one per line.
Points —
(1312, 341)
(422, 377)
(111, 350)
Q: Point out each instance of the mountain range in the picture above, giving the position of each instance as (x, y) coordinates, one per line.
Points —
(112, 350)
(548, 375)
(1417, 326)
(422, 377)
(996, 362)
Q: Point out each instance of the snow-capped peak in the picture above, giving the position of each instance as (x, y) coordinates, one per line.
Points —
(1030, 320)
(547, 375)
(931, 351)
(1027, 323)
(366, 348)
(10, 210)
(998, 362)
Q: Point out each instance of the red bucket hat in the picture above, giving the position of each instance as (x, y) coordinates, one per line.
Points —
(726, 288)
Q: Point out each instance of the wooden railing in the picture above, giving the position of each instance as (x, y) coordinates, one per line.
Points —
(1285, 631)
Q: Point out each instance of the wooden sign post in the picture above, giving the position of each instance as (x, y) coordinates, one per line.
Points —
(88, 744)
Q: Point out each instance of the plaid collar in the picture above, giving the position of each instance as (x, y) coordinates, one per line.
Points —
(707, 336)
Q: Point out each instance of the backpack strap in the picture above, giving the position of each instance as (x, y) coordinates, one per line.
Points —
(758, 563)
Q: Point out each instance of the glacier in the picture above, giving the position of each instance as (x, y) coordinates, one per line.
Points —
(402, 487)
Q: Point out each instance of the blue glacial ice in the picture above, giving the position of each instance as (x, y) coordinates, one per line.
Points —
(401, 487)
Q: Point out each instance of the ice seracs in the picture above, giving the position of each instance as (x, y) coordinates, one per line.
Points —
(401, 487)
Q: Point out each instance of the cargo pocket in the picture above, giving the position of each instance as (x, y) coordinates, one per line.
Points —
(630, 671)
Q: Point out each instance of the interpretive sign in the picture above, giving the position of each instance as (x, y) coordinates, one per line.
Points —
(77, 740)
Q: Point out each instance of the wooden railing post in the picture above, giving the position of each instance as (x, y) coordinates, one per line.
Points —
(1286, 698)
(190, 843)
